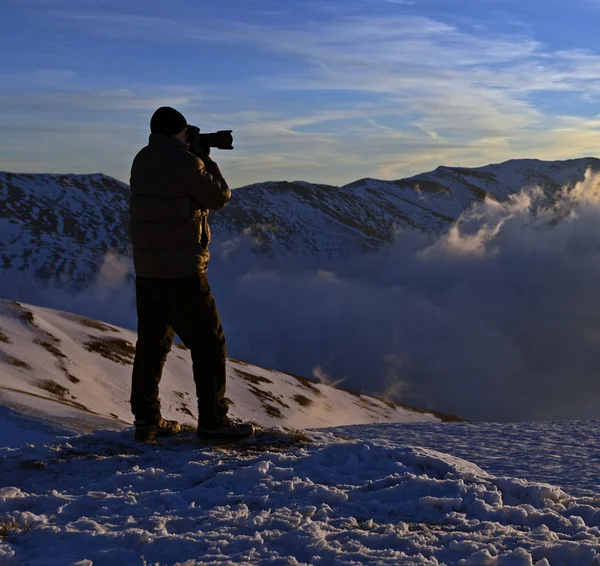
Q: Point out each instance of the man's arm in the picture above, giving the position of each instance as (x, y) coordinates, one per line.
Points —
(204, 183)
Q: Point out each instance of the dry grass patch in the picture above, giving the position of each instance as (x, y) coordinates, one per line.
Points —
(10, 526)
(444, 417)
(4, 338)
(90, 322)
(272, 411)
(24, 314)
(11, 360)
(184, 409)
(266, 396)
(367, 403)
(251, 378)
(51, 347)
(302, 400)
(50, 344)
(307, 383)
(52, 387)
(268, 401)
(71, 377)
(114, 349)
(350, 391)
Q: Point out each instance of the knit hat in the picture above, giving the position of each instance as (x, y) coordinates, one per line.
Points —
(167, 120)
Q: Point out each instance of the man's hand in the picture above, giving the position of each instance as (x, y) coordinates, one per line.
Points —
(204, 154)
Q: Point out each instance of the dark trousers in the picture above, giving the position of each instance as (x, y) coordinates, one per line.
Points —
(185, 307)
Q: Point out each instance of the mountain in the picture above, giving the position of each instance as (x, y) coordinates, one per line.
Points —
(61, 227)
(72, 373)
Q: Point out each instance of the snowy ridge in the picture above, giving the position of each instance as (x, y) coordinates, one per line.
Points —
(343, 496)
(74, 373)
(60, 227)
(331, 222)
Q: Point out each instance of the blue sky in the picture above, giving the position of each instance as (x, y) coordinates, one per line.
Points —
(324, 91)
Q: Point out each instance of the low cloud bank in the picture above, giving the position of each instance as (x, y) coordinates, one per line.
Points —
(498, 319)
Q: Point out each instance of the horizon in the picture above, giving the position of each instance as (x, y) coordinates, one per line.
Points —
(325, 94)
(316, 182)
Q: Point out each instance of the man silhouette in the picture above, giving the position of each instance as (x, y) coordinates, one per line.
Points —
(172, 191)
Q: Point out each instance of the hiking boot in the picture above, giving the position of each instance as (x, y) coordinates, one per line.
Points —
(225, 429)
(147, 431)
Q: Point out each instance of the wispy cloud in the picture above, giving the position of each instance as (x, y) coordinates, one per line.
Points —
(332, 95)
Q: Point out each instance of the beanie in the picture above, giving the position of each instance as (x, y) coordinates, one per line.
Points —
(167, 120)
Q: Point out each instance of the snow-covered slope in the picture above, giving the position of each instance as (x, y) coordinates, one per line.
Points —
(325, 221)
(73, 374)
(388, 494)
(61, 226)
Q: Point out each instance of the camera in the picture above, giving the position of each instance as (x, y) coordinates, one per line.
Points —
(198, 143)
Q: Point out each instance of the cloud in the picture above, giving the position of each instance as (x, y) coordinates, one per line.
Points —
(497, 319)
(328, 97)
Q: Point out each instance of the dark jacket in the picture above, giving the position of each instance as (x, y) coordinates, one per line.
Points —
(172, 191)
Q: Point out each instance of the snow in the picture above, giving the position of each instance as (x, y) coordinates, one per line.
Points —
(353, 495)
(400, 488)
(73, 374)
(16, 431)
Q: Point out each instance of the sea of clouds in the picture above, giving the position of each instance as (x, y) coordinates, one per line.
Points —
(497, 319)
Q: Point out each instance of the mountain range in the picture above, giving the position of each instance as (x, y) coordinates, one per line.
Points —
(61, 227)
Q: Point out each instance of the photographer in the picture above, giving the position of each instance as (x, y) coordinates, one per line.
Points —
(172, 191)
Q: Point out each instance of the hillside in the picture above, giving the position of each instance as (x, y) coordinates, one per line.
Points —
(61, 227)
(72, 374)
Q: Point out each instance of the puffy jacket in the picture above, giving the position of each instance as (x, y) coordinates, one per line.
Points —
(172, 191)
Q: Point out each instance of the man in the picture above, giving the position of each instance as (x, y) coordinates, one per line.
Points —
(172, 191)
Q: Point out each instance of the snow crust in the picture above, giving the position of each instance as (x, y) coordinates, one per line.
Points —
(356, 495)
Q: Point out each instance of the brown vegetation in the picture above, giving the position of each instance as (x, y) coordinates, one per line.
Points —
(251, 378)
(92, 323)
(272, 411)
(11, 360)
(24, 314)
(114, 349)
(71, 377)
(267, 399)
(444, 417)
(184, 409)
(307, 383)
(302, 400)
(9, 526)
(52, 387)
(51, 347)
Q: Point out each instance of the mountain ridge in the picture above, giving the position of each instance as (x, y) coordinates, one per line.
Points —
(60, 227)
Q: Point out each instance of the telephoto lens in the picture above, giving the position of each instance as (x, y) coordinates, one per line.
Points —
(198, 142)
